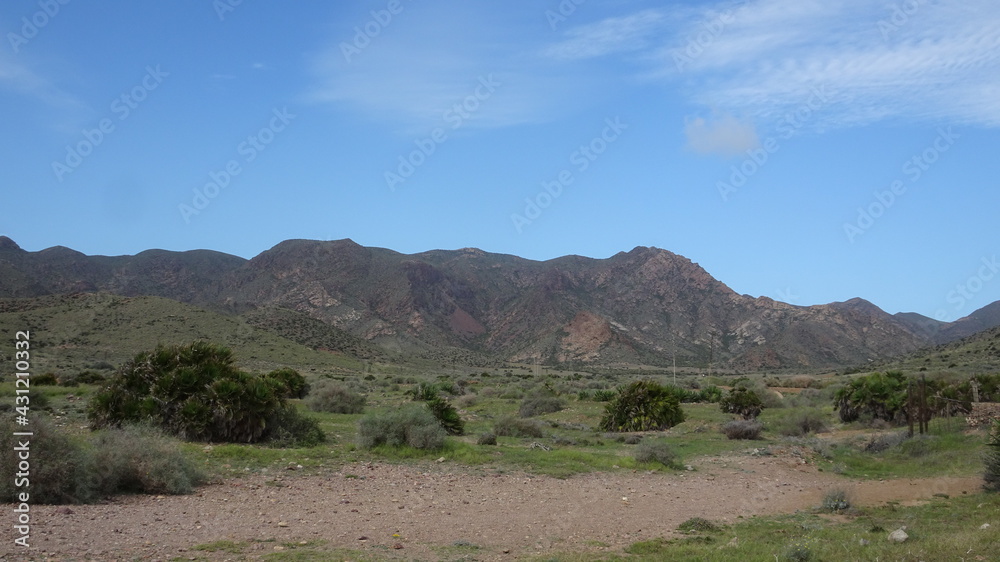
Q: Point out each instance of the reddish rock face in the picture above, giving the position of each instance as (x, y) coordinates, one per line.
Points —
(645, 306)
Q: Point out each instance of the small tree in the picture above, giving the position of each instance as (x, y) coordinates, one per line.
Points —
(642, 406)
(743, 402)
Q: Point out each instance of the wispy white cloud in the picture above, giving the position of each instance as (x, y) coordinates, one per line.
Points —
(64, 110)
(429, 59)
(762, 58)
(609, 36)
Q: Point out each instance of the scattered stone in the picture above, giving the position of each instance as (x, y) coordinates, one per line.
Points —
(984, 526)
(282, 523)
(440, 460)
(398, 546)
(688, 467)
(864, 542)
(362, 538)
(899, 535)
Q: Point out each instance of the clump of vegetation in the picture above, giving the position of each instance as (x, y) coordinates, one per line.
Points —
(539, 405)
(656, 451)
(804, 422)
(991, 477)
(292, 384)
(142, 460)
(444, 412)
(486, 439)
(291, 429)
(743, 402)
(632, 439)
(711, 393)
(195, 392)
(642, 406)
(67, 469)
(61, 469)
(411, 425)
(698, 525)
(835, 501)
(742, 429)
(884, 441)
(45, 379)
(335, 398)
(878, 396)
(604, 395)
(514, 427)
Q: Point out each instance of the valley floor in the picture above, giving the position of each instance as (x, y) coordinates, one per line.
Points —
(443, 511)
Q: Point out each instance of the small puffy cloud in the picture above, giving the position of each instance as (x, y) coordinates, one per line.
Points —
(722, 134)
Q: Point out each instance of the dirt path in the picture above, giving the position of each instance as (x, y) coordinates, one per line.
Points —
(386, 507)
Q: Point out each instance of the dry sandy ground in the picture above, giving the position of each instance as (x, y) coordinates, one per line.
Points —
(410, 512)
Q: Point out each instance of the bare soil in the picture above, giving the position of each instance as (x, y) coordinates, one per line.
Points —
(408, 512)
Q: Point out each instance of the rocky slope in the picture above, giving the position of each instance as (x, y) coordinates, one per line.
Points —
(644, 306)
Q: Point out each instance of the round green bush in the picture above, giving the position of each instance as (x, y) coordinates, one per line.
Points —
(642, 406)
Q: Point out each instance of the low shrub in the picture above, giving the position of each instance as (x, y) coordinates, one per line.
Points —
(742, 402)
(45, 379)
(290, 428)
(632, 439)
(142, 460)
(656, 451)
(62, 470)
(835, 501)
(129, 459)
(884, 441)
(486, 439)
(412, 425)
(539, 405)
(698, 525)
(604, 395)
(742, 429)
(515, 427)
(803, 423)
(335, 398)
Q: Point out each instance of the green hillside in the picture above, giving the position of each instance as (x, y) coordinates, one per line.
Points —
(70, 333)
(978, 353)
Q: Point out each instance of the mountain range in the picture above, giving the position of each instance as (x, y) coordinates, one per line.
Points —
(647, 306)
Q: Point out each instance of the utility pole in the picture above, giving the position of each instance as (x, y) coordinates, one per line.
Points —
(673, 347)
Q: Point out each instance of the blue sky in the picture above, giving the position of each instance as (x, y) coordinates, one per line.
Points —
(809, 151)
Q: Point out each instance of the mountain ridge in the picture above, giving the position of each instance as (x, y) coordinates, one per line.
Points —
(643, 306)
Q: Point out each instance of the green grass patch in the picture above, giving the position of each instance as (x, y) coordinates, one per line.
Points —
(943, 453)
(944, 529)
